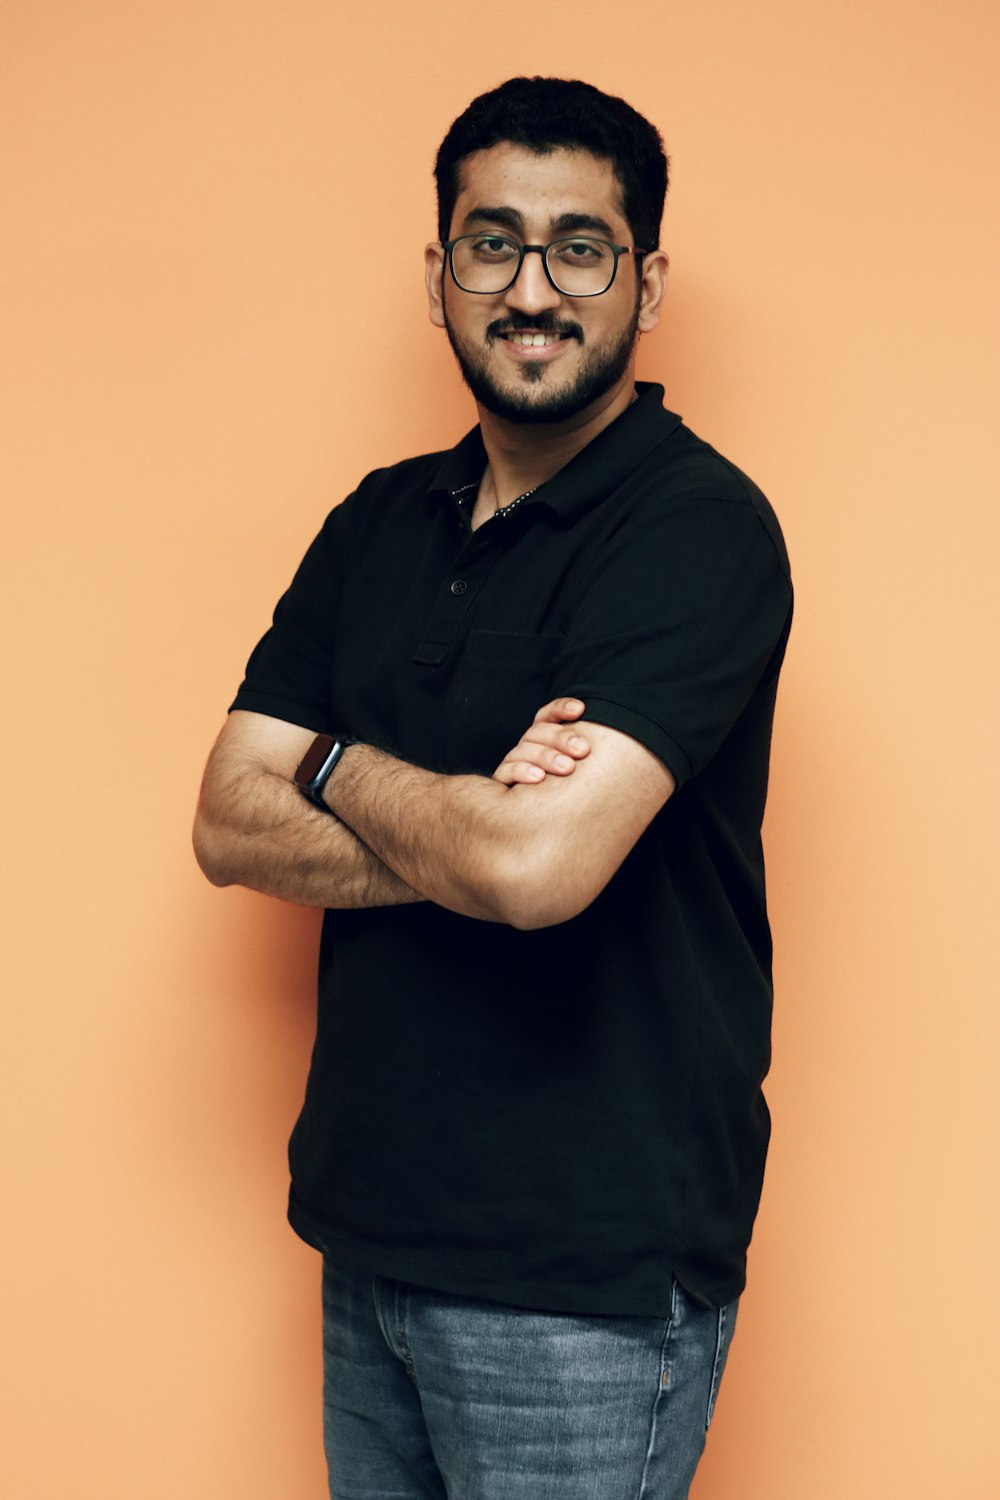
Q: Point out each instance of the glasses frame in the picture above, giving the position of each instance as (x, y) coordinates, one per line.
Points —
(543, 250)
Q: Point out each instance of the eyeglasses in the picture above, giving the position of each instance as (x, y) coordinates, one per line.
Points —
(579, 266)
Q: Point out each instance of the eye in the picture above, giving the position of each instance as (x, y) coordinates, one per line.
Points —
(492, 247)
(581, 252)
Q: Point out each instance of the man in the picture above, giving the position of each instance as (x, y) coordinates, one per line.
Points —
(511, 727)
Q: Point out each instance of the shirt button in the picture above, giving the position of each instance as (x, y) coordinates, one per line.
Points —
(459, 586)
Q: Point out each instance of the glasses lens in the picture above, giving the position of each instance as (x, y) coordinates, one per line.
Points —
(484, 262)
(581, 267)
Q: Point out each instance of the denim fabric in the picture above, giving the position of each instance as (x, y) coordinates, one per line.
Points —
(431, 1395)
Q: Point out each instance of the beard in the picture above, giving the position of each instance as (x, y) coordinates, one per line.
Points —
(601, 368)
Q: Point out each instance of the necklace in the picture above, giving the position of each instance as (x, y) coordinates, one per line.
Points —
(505, 510)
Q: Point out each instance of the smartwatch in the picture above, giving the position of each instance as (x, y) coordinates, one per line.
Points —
(315, 768)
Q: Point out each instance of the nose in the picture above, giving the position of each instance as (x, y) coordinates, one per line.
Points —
(532, 292)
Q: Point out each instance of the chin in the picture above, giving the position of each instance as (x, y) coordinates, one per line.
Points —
(532, 401)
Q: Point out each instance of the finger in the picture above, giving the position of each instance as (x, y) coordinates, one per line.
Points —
(562, 742)
(552, 737)
(559, 711)
(572, 744)
(550, 756)
(518, 772)
(527, 768)
(526, 759)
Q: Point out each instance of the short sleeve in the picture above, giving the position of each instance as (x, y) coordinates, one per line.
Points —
(288, 675)
(685, 616)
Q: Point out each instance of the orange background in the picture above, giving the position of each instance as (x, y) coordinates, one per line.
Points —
(214, 325)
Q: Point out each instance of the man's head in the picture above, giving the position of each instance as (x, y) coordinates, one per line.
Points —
(537, 161)
(545, 113)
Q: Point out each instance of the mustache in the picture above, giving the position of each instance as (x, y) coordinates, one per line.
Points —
(542, 323)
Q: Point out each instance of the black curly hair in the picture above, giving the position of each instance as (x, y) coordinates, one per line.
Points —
(545, 114)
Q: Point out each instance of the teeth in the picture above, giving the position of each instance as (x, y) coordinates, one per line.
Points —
(533, 340)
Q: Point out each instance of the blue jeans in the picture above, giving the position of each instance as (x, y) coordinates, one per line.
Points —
(430, 1395)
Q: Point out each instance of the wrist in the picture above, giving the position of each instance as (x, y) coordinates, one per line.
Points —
(316, 767)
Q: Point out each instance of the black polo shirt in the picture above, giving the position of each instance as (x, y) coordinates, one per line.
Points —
(556, 1119)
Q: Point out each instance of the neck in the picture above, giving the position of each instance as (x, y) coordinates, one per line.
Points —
(524, 455)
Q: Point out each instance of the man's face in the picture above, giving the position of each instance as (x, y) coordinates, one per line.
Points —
(589, 342)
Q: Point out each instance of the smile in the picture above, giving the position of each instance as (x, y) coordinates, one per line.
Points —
(533, 340)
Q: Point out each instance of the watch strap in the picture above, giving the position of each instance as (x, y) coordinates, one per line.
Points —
(317, 766)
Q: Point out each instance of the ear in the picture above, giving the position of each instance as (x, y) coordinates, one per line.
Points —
(434, 258)
(654, 283)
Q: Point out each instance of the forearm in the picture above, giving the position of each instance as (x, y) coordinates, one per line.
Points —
(254, 828)
(465, 842)
(511, 849)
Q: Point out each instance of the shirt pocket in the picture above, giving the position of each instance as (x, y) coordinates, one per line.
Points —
(500, 684)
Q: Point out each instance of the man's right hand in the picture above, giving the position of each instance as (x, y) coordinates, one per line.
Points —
(254, 828)
(547, 747)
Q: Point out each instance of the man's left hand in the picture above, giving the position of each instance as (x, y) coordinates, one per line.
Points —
(547, 747)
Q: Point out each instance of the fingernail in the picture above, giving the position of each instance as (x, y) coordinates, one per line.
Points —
(563, 762)
(535, 773)
(577, 742)
(573, 703)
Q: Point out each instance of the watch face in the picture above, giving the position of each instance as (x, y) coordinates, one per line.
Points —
(314, 759)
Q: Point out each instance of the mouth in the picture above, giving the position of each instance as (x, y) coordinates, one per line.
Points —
(527, 339)
(541, 334)
(534, 342)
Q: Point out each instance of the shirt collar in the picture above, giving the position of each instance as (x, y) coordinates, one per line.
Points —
(589, 476)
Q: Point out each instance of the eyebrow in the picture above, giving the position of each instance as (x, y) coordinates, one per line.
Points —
(567, 223)
(512, 219)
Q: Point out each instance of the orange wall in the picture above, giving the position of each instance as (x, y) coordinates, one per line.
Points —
(215, 324)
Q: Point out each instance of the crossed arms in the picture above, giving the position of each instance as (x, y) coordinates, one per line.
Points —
(530, 847)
